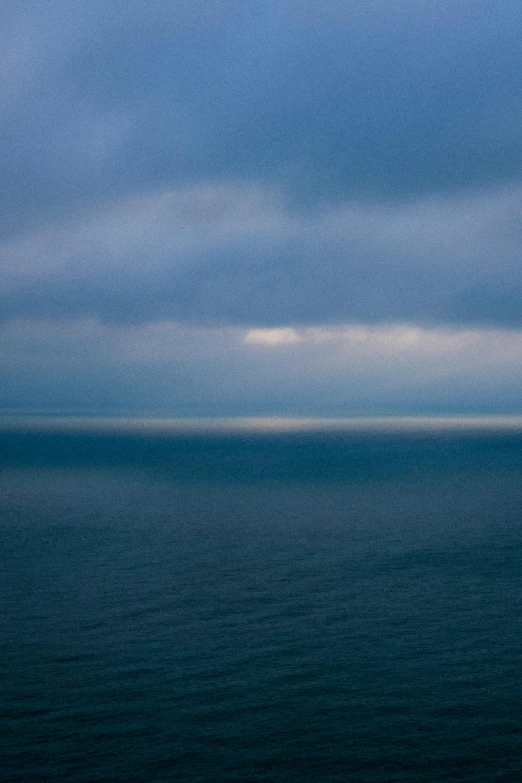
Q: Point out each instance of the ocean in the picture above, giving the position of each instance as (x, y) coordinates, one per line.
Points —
(234, 608)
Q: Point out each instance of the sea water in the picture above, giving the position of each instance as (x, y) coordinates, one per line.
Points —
(321, 608)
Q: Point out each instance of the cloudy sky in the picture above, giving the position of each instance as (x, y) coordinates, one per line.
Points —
(279, 208)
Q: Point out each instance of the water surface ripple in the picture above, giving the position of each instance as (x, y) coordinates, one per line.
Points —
(286, 609)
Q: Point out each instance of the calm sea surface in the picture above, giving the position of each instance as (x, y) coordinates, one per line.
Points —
(289, 608)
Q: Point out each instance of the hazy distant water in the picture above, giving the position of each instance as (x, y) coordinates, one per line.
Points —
(310, 608)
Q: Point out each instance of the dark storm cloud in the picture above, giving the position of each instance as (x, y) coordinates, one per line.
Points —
(333, 99)
(369, 128)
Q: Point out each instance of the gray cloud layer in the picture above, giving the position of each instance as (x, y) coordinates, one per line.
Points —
(367, 97)
(261, 163)
(238, 255)
(169, 369)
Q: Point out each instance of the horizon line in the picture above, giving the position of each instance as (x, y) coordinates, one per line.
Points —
(254, 424)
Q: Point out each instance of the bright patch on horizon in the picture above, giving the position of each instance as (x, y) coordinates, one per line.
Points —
(257, 424)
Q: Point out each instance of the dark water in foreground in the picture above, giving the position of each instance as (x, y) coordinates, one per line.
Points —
(261, 609)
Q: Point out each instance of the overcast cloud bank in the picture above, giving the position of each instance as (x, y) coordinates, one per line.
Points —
(230, 254)
(258, 208)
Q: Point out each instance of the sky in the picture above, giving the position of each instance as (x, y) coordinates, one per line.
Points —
(286, 208)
